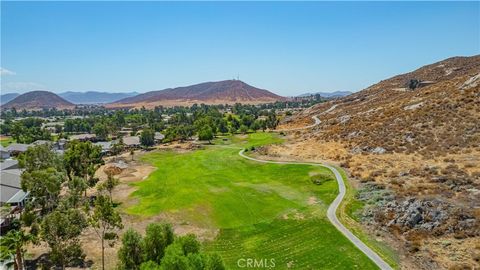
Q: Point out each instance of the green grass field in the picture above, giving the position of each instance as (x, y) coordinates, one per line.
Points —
(262, 211)
(6, 141)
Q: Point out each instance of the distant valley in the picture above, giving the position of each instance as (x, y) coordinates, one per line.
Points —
(75, 97)
(328, 94)
(94, 97)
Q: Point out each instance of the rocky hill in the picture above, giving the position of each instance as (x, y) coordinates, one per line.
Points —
(222, 92)
(412, 144)
(36, 100)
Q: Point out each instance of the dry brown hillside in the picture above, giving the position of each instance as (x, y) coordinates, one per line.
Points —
(37, 100)
(419, 147)
(222, 92)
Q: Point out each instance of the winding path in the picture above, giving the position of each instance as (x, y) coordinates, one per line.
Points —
(332, 209)
(316, 123)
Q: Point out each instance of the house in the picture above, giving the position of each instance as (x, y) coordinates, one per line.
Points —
(126, 131)
(4, 154)
(9, 164)
(41, 142)
(61, 143)
(106, 146)
(11, 192)
(17, 148)
(131, 141)
(12, 197)
(83, 137)
(159, 137)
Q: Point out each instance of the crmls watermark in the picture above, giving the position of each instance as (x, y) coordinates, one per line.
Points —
(255, 263)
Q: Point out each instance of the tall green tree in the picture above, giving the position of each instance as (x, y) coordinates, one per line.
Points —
(131, 253)
(118, 147)
(44, 186)
(82, 159)
(105, 221)
(147, 138)
(101, 131)
(76, 186)
(109, 184)
(61, 231)
(157, 238)
(205, 134)
(40, 157)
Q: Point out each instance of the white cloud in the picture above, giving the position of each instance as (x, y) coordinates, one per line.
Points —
(22, 86)
(4, 72)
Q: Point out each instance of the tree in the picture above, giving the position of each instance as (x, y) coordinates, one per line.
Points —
(105, 221)
(101, 131)
(149, 265)
(263, 125)
(61, 231)
(256, 125)
(130, 254)
(76, 186)
(147, 138)
(222, 126)
(215, 262)
(413, 84)
(12, 245)
(174, 258)
(190, 244)
(109, 184)
(157, 238)
(185, 253)
(272, 120)
(45, 186)
(40, 157)
(83, 159)
(243, 129)
(205, 134)
(132, 153)
(118, 147)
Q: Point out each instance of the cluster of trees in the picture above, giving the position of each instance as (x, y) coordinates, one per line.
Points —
(161, 249)
(207, 121)
(25, 130)
(183, 122)
(94, 110)
(60, 209)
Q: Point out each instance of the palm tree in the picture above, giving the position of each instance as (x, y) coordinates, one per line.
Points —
(12, 246)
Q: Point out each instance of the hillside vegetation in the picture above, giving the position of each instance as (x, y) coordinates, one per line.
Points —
(413, 142)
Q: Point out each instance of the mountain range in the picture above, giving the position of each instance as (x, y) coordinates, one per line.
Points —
(222, 92)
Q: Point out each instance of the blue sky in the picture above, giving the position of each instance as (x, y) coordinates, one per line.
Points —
(286, 47)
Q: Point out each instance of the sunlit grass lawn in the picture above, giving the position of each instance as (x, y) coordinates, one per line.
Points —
(262, 210)
(6, 141)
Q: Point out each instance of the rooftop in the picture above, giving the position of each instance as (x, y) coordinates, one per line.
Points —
(17, 147)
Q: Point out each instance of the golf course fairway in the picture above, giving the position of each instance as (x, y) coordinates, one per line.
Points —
(263, 212)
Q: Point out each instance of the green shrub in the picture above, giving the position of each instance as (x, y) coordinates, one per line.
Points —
(319, 179)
